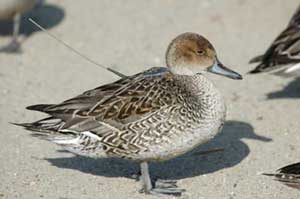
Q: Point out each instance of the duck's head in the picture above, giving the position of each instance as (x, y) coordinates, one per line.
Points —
(190, 54)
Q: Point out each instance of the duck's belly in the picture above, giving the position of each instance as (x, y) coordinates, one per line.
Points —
(180, 144)
(8, 8)
(180, 131)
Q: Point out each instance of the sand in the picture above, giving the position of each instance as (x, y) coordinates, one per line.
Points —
(262, 129)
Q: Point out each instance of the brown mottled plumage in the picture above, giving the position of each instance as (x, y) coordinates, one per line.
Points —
(154, 115)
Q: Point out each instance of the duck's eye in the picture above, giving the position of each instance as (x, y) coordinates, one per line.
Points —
(200, 52)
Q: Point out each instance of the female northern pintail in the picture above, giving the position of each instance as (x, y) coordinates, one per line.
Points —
(154, 115)
(289, 175)
(13, 9)
(284, 51)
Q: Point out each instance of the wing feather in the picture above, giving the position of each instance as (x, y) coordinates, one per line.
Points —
(285, 49)
(110, 107)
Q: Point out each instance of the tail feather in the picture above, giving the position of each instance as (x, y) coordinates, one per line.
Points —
(83, 143)
(260, 68)
(86, 144)
(56, 111)
(293, 68)
(39, 107)
(267, 67)
(256, 59)
(291, 169)
(290, 180)
(288, 175)
(47, 125)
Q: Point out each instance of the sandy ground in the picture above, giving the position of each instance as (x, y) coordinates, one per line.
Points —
(262, 129)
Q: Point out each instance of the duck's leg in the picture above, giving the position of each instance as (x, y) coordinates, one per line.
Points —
(145, 178)
(168, 187)
(14, 45)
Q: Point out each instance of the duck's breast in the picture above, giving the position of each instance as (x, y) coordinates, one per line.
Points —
(197, 120)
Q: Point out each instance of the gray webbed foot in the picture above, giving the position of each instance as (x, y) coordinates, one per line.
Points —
(164, 187)
(168, 187)
(157, 187)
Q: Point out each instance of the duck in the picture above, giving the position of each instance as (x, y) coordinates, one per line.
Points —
(155, 115)
(288, 175)
(12, 10)
(283, 56)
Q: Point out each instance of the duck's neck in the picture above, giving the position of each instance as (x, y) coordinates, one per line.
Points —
(198, 85)
(203, 98)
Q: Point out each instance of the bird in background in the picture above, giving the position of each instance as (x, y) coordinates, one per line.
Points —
(288, 175)
(155, 115)
(283, 56)
(13, 10)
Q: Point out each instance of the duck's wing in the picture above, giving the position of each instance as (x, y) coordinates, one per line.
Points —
(108, 107)
(284, 50)
(289, 175)
(295, 20)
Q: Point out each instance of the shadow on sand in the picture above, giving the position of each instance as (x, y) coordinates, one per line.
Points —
(47, 15)
(291, 90)
(184, 166)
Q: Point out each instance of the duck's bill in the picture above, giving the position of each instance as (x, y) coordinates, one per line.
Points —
(220, 69)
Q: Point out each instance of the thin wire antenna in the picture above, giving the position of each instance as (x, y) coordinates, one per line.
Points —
(74, 50)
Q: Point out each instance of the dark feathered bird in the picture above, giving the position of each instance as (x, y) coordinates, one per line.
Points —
(285, 49)
(289, 175)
